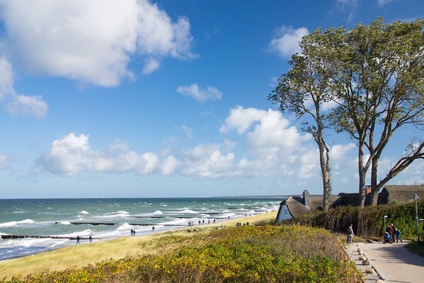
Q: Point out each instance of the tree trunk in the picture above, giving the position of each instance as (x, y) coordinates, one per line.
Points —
(324, 159)
(374, 182)
(362, 176)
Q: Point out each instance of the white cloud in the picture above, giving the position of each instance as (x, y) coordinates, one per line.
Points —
(150, 66)
(270, 145)
(274, 146)
(91, 41)
(287, 39)
(207, 161)
(72, 155)
(6, 79)
(241, 119)
(339, 152)
(210, 93)
(27, 105)
(17, 104)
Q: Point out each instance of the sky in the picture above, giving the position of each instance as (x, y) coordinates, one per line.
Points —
(112, 98)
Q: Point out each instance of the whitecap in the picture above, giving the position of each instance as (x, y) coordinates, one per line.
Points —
(158, 212)
(15, 223)
(83, 212)
(188, 211)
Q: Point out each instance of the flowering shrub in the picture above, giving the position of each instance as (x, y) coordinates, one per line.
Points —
(239, 254)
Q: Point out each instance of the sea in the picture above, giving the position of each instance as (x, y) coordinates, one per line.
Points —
(30, 226)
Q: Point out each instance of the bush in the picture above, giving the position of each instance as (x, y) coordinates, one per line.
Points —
(239, 254)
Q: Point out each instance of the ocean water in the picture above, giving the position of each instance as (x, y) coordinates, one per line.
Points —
(39, 225)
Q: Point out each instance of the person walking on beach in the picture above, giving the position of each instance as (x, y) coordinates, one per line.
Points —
(78, 240)
(350, 234)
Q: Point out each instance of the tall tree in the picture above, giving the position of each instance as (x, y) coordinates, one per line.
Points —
(380, 89)
(305, 91)
(375, 76)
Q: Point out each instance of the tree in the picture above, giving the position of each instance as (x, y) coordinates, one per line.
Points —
(380, 89)
(374, 77)
(305, 91)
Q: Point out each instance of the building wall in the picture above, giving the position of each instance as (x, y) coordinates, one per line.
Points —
(283, 214)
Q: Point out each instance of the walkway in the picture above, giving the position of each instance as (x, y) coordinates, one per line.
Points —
(390, 262)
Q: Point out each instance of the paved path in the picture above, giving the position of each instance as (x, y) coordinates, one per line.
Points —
(391, 262)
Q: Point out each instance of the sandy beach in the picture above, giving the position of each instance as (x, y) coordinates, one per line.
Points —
(90, 253)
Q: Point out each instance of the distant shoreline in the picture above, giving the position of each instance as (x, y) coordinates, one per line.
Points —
(222, 222)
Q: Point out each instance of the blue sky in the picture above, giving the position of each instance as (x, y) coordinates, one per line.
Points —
(167, 98)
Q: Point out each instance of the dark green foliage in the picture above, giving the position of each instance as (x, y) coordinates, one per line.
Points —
(368, 221)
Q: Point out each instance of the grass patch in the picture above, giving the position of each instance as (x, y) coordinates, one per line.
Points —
(415, 249)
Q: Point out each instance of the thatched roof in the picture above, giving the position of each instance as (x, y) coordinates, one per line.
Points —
(296, 207)
(389, 194)
(399, 193)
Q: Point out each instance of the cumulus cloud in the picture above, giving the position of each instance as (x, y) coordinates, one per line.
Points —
(270, 146)
(194, 91)
(275, 147)
(339, 152)
(286, 41)
(72, 155)
(91, 41)
(241, 119)
(18, 104)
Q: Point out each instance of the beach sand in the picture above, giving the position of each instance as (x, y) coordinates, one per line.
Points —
(118, 248)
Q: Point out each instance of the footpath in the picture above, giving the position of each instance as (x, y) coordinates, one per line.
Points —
(387, 262)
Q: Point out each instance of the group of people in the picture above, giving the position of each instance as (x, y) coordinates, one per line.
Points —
(78, 239)
(392, 233)
(191, 222)
(133, 231)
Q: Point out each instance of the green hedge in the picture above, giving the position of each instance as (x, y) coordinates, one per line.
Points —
(368, 221)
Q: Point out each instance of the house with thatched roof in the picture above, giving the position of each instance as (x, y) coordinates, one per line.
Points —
(295, 206)
(399, 194)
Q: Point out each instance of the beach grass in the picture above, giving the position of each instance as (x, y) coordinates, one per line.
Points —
(119, 248)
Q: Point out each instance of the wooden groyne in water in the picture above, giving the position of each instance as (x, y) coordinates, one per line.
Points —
(42, 237)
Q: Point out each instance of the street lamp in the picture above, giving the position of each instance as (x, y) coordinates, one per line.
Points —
(415, 198)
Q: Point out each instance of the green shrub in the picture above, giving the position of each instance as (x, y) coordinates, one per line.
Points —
(239, 254)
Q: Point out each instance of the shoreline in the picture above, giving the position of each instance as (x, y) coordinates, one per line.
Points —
(99, 244)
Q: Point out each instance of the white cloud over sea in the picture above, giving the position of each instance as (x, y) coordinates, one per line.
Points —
(274, 147)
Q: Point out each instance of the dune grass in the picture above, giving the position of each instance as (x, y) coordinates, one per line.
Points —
(119, 248)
